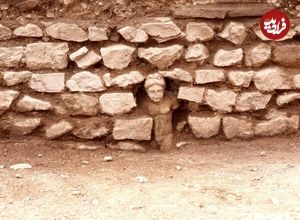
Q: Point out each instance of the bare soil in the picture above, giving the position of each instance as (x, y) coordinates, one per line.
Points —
(211, 179)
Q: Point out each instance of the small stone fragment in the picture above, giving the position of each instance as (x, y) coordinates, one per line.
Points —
(20, 166)
(108, 158)
(29, 30)
(204, 76)
(128, 79)
(177, 74)
(97, 34)
(85, 82)
(87, 147)
(252, 101)
(234, 32)
(128, 146)
(222, 100)
(28, 103)
(11, 56)
(49, 82)
(204, 127)
(240, 78)
(296, 81)
(234, 127)
(107, 79)
(58, 129)
(134, 35)
(199, 31)
(6, 99)
(192, 94)
(228, 57)
(12, 78)
(257, 55)
(5, 33)
(197, 53)
(141, 179)
(88, 60)
(287, 98)
(78, 53)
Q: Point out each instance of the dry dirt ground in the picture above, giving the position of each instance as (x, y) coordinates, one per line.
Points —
(213, 179)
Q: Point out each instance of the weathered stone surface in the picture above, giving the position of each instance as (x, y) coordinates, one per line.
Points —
(49, 82)
(234, 127)
(287, 55)
(192, 94)
(117, 56)
(228, 57)
(134, 35)
(26, 5)
(162, 29)
(128, 146)
(240, 78)
(199, 31)
(296, 81)
(85, 82)
(20, 125)
(177, 74)
(204, 76)
(128, 79)
(161, 57)
(260, 35)
(234, 32)
(277, 125)
(28, 103)
(47, 55)
(13, 78)
(271, 78)
(221, 100)
(97, 34)
(5, 33)
(136, 129)
(252, 101)
(197, 53)
(28, 30)
(6, 99)
(58, 129)
(88, 59)
(116, 103)
(67, 32)
(78, 53)
(204, 127)
(107, 79)
(11, 56)
(257, 55)
(287, 98)
(81, 104)
(90, 128)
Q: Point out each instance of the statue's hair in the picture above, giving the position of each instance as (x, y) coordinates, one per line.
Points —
(154, 79)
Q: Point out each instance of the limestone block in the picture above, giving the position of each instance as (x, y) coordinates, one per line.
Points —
(197, 53)
(220, 100)
(12, 78)
(47, 55)
(204, 76)
(235, 127)
(67, 32)
(97, 34)
(192, 94)
(177, 74)
(252, 101)
(115, 103)
(257, 55)
(28, 103)
(240, 78)
(117, 56)
(6, 99)
(228, 57)
(58, 129)
(48, 82)
(199, 32)
(204, 126)
(81, 104)
(11, 56)
(139, 128)
(134, 35)
(28, 30)
(161, 57)
(85, 82)
(234, 32)
(128, 79)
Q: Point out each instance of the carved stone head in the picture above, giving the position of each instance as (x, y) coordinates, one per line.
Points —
(155, 87)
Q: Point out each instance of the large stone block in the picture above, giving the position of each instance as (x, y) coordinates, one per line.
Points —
(134, 35)
(234, 127)
(128, 79)
(161, 57)
(117, 56)
(136, 129)
(234, 32)
(20, 125)
(240, 78)
(28, 103)
(6, 99)
(12, 78)
(11, 56)
(257, 55)
(220, 100)
(287, 55)
(59, 129)
(90, 128)
(204, 126)
(49, 82)
(204, 76)
(177, 74)
(252, 101)
(28, 30)
(85, 82)
(97, 34)
(192, 94)
(228, 57)
(47, 55)
(197, 53)
(199, 32)
(116, 103)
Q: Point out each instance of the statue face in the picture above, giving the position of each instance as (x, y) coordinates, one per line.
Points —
(155, 93)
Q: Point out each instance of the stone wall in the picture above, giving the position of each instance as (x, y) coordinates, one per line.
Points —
(81, 80)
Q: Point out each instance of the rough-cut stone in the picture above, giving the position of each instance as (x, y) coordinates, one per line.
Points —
(28, 103)
(29, 30)
(204, 76)
(204, 127)
(128, 146)
(287, 98)
(78, 53)
(197, 53)
(177, 74)
(136, 129)
(85, 82)
(199, 31)
(134, 35)
(192, 94)
(257, 55)
(12, 78)
(271, 78)
(162, 29)
(116, 103)
(6, 99)
(234, 32)
(88, 60)
(107, 79)
(287, 55)
(67, 32)
(26, 5)
(252, 101)
(234, 127)
(49, 82)
(161, 57)
(47, 55)
(58, 129)
(277, 125)
(228, 57)
(128, 79)
(97, 34)
(5, 33)
(22, 125)
(90, 128)
(222, 100)
(81, 104)
(296, 81)
(11, 56)
(240, 78)
(117, 56)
